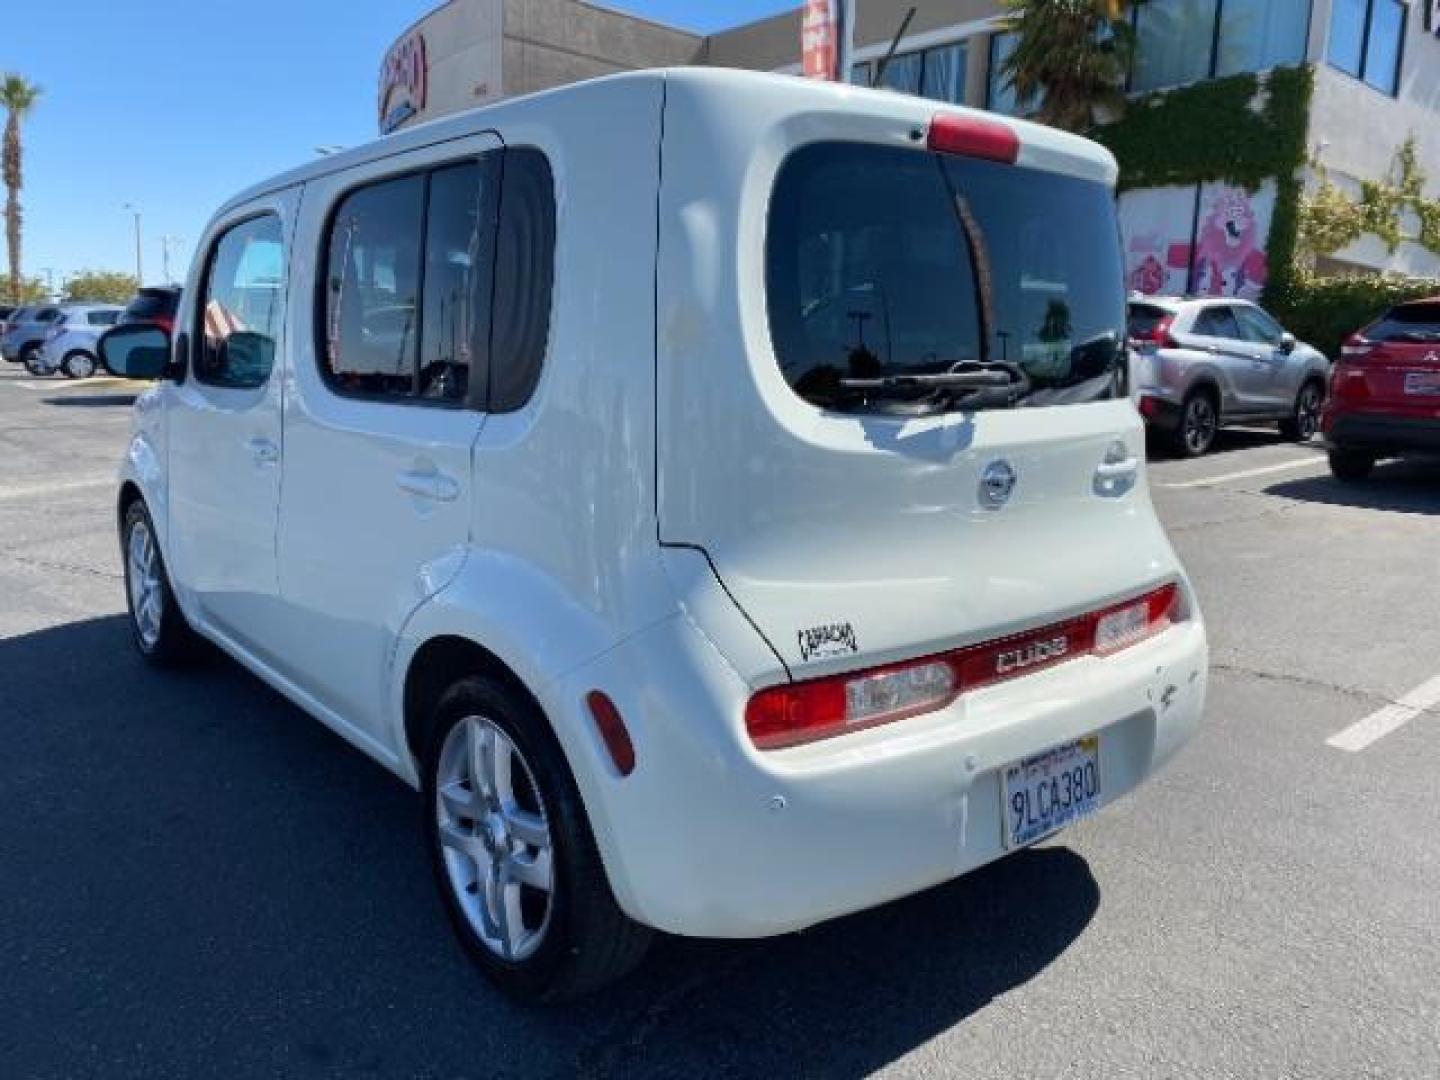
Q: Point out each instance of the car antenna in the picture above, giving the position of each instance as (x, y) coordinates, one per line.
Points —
(890, 52)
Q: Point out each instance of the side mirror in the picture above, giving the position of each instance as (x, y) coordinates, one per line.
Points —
(1287, 343)
(246, 359)
(135, 351)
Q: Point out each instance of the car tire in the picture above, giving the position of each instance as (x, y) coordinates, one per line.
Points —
(1304, 420)
(1195, 430)
(78, 365)
(1351, 466)
(157, 625)
(513, 853)
(30, 357)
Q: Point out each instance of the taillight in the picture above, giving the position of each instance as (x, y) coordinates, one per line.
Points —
(1356, 347)
(973, 136)
(793, 713)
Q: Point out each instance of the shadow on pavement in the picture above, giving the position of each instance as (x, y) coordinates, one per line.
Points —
(1227, 441)
(91, 401)
(200, 879)
(1404, 487)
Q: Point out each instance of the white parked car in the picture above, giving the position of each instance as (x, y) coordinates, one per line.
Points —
(729, 518)
(69, 345)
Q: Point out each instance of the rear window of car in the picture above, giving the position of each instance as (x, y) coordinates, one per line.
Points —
(1419, 323)
(1143, 319)
(884, 261)
(149, 304)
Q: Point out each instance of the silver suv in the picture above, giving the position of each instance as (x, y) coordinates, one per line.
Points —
(1200, 363)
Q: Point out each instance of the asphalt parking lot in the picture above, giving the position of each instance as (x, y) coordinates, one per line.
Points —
(200, 881)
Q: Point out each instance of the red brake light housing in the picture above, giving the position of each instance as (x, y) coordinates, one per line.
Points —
(794, 713)
(973, 136)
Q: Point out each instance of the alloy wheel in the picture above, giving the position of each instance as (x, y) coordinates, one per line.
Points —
(1199, 425)
(495, 838)
(1307, 412)
(147, 597)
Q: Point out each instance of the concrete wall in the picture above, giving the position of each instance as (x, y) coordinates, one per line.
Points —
(553, 42)
(1355, 131)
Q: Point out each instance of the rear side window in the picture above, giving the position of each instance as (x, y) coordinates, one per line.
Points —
(102, 318)
(149, 304)
(47, 314)
(524, 279)
(243, 306)
(408, 284)
(1218, 322)
(1417, 323)
(883, 261)
(1143, 320)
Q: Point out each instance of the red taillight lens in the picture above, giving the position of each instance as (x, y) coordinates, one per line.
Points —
(819, 708)
(975, 137)
(1356, 347)
(1161, 334)
(613, 732)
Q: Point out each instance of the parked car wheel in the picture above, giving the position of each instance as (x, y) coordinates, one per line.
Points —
(30, 357)
(78, 365)
(1199, 420)
(512, 849)
(157, 624)
(1305, 422)
(1351, 465)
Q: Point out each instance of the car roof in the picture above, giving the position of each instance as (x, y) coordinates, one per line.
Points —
(1050, 149)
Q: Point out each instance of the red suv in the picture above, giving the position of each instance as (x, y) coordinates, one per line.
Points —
(1384, 398)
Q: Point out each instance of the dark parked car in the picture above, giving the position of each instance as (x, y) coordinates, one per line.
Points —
(154, 304)
(1384, 396)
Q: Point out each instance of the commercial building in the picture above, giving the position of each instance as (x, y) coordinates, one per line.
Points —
(1353, 80)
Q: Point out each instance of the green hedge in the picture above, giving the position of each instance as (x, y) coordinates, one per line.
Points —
(1325, 311)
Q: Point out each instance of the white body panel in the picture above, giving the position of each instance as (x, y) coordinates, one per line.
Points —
(582, 542)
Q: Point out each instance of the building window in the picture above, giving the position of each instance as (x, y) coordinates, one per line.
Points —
(944, 76)
(1174, 42)
(1000, 95)
(1366, 40)
(1185, 41)
(1256, 35)
(905, 72)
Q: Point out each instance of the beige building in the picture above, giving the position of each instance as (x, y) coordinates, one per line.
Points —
(1376, 64)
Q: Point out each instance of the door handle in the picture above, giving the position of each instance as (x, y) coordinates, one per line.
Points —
(262, 450)
(428, 484)
(1118, 470)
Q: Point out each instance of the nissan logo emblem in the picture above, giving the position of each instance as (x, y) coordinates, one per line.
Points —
(997, 483)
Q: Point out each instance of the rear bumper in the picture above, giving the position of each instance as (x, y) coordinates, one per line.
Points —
(1379, 434)
(711, 837)
(1160, 412)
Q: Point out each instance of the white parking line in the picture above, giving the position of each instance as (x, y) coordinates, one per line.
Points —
(78, 384)
(32, 490)
(1210, 481)
(1382, 722)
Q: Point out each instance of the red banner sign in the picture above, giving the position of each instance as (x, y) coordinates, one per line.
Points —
(820, 39)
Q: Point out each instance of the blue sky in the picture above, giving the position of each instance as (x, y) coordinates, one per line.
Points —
(173, 105)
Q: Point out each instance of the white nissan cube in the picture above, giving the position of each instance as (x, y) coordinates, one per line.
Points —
(715, 492)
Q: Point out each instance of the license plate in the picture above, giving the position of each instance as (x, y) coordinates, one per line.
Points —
(1048, 791)
(1422, 382)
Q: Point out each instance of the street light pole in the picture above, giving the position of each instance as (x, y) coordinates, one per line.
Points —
(165, 242)
(139, 264)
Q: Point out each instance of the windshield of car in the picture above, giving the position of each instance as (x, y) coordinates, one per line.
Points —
(886, 262)
(1408, 322)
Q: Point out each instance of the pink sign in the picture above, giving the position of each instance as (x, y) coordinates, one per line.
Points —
(819, 39)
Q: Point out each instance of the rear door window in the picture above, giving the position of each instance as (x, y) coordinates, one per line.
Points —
(1217, 322)
(884, 261)
(1413, 323)
(102, 318)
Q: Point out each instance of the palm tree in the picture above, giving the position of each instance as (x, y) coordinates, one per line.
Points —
(19, 97)
(1071, 56)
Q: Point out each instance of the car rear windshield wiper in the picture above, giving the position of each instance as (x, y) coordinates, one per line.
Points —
(969, 384)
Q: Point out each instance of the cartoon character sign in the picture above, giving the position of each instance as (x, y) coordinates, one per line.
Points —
(1230, 242)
